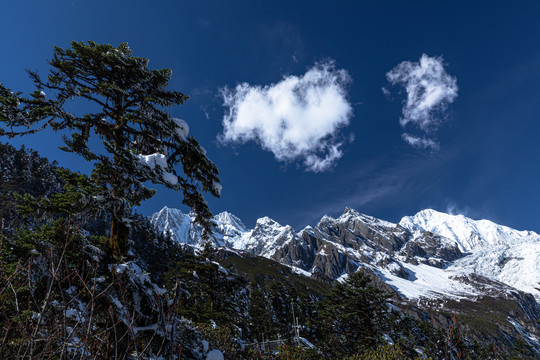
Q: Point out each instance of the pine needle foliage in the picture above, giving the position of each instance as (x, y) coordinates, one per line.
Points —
(141, 141)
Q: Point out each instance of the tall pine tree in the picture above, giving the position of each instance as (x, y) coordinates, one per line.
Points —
(141, 141)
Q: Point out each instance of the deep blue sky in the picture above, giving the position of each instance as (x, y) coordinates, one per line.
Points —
(488, 162)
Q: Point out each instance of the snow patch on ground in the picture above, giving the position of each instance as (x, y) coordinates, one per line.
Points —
(214, 355)
(299, 271)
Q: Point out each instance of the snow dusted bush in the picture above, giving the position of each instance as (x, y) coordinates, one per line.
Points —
(60, 297)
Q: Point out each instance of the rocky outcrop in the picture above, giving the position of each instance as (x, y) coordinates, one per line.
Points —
(431, 249)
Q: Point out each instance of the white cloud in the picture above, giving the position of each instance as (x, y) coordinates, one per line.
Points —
(430, 89)
(296, 119)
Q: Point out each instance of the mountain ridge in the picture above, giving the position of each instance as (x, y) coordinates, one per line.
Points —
(337, 246)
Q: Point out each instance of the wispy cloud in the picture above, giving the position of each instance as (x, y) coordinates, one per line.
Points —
(387, 183)
(430, 89)
(454, 209)
(205, 112)
(420, 142)
(297, 119)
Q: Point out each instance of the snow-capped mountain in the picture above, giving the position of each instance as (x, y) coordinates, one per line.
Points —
(468, 234)
(175, 224)
(494, 251)
(229, 225)
(428, 255)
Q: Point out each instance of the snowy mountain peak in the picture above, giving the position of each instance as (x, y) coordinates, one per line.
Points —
(266, 221)
(348, 215)
(169, 216)
(268, 226)
(229, 223)
(468, 234)
(326, 219)
(172, 223)
(351, 216)
(350, 212)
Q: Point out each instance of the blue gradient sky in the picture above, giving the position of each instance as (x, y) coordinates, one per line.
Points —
(488, 162)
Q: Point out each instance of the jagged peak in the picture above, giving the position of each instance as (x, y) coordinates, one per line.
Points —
(350, 213)
(225, 218)
(167, 210)
(161, 212)
(347, 214)
(225, 214)
(288, 228)
(266, 221)
(349, 209)
(327, 218)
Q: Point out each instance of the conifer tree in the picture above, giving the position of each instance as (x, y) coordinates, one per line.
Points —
(141, 141)
(23, 171)
(206, 291)
(260, 311)
(353, 315)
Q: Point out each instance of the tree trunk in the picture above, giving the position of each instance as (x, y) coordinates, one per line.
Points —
(119, 238)
(119, 230)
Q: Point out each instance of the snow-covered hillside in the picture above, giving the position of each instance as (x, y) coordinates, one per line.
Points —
(495, 251)
(516, 264)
